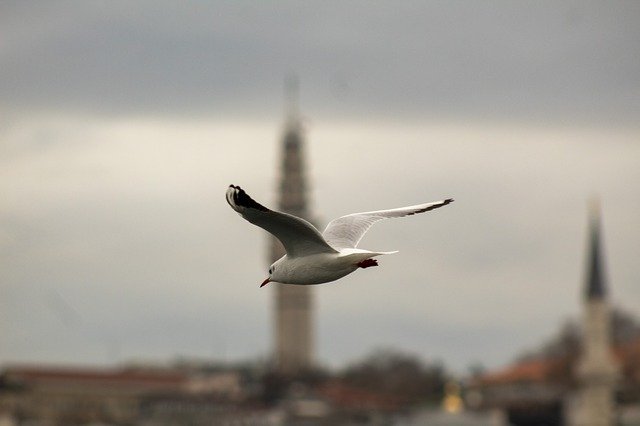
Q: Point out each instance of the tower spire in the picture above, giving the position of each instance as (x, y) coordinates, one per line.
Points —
(595, 280)
(293, 303)
(597, 371)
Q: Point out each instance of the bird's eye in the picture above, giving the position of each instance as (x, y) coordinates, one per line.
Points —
(270, 270)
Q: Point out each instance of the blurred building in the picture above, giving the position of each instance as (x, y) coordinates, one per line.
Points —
(578, 385)
(67, 396)
(293, 303)
(53, 395)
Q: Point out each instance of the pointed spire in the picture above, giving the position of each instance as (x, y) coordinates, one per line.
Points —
(294, 337)
(596, 285)
(293, 183)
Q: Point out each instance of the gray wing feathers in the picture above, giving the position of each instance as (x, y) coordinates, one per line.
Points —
(299, 237)
(347, 231)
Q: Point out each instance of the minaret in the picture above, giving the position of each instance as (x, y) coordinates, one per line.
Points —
(293, 303)
(597, 370)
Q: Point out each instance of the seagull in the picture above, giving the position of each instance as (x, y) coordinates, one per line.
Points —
(312, 257)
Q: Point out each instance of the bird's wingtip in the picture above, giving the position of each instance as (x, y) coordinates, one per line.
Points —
(238, 198)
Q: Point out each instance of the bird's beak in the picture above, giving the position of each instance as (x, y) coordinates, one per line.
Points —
(265, 282)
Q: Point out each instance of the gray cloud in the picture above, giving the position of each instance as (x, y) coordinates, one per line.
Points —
(499, 60)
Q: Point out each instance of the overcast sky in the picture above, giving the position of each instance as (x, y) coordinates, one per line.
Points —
(123, 123)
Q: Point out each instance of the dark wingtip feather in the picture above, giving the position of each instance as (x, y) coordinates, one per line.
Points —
(432, 207)
(242, 199)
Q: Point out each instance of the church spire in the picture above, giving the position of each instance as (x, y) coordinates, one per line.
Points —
(597, 371)
(595, 280)
(294, 336)
(293, 188)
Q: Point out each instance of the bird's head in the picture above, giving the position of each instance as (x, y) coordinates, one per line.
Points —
(275, 271)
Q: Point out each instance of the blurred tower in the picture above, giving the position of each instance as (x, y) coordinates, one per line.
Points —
(293, 303)
(597, 371)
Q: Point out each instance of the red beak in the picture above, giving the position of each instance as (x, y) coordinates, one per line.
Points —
(265, 282)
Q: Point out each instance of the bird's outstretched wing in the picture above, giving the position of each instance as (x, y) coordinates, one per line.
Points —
(347, 231)
(299, 237)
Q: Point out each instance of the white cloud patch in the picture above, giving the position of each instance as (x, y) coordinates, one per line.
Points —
(124, 123)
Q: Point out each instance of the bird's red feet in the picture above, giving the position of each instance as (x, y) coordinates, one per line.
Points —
(367, 263)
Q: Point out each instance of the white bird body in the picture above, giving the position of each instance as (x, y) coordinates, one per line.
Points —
(314, 258)
(321, 267)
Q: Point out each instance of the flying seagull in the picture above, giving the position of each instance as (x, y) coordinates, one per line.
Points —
(312, 257)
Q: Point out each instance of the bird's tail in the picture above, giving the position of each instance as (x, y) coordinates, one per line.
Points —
(378, 253)
(370, 261)
(364, 254)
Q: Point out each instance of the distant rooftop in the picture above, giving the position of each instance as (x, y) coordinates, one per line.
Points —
(36, 375)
